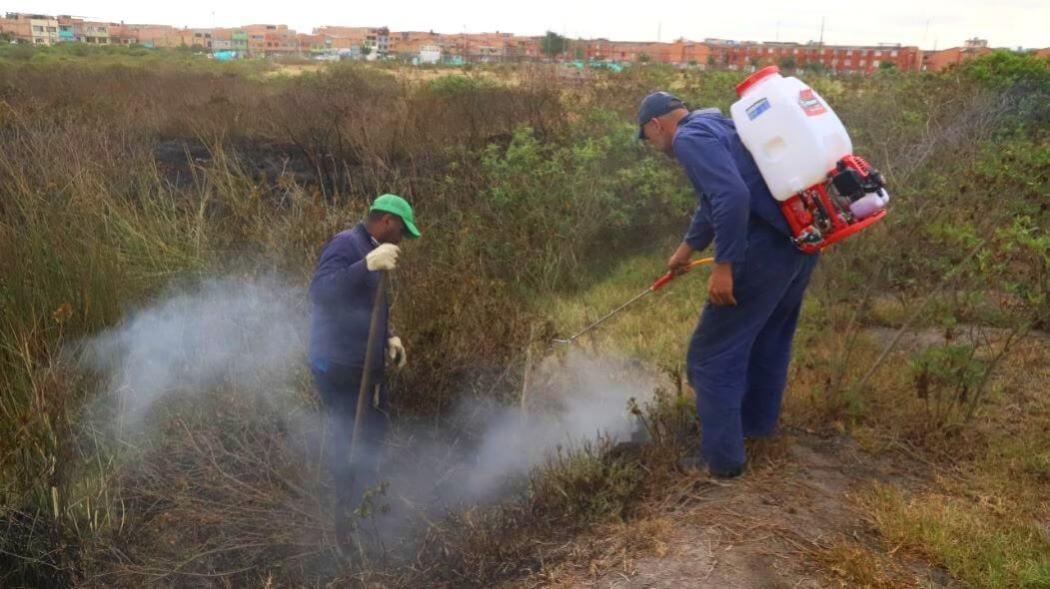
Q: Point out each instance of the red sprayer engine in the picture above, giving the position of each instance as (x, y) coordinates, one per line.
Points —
(852, 198)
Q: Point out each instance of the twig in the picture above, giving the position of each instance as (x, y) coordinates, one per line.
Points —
(911, 320)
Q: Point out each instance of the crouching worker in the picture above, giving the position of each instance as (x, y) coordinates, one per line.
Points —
(350, 315)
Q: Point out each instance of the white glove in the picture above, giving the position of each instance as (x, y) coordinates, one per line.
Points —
(395, 351)
(383, 257)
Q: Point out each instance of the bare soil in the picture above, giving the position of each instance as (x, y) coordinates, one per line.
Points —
(767, 529)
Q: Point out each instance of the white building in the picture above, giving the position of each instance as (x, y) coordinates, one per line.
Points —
(429, 54)
(45, 30)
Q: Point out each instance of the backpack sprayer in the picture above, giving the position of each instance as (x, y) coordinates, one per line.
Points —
(825, 193)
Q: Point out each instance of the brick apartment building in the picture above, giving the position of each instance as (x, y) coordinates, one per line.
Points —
(376, 39)
(840, 59)
(269, 40)
(410, 43)
(935, 61)
(35, 29)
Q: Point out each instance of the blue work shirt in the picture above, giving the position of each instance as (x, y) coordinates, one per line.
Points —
(732, 193)
(342, 292)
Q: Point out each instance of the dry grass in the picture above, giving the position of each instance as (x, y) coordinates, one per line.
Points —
(115, 181)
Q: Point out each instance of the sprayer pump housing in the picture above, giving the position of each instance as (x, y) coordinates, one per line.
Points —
(852, 198)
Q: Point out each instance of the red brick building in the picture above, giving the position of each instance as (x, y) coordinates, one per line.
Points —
(271, 40)
(268, 40)
(16, 28)
(936, 61)
(837, 58)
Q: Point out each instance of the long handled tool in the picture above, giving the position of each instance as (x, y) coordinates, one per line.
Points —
(660, 283)
(364, 395)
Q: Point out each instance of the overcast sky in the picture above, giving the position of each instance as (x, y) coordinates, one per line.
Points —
(926, 23)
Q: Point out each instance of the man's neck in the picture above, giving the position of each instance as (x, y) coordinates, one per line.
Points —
(674, 117)
(371, 231)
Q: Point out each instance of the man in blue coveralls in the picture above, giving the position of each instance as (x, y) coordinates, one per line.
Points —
(738, 356)
(344, 291)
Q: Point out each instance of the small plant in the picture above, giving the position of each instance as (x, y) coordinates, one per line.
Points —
(586, 484)
(947, 379)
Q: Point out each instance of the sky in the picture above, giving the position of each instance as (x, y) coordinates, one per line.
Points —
(930, 24)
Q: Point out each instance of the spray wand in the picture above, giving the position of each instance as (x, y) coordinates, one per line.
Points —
(660, 283)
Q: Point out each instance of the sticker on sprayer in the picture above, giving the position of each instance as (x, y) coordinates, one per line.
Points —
(810, 104)
(757, 108)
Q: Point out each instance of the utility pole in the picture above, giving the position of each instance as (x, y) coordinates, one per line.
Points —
(822, 31)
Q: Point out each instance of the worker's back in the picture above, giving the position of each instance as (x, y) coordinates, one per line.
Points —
(711, 124)
(342, 292)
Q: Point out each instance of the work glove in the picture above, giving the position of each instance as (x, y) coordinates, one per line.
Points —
(383, 257)
(395, 351)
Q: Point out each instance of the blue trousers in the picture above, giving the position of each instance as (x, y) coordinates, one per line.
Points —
(339, 386)
(738, 356)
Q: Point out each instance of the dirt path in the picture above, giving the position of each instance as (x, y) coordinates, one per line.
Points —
(794, 519)
(785, 524)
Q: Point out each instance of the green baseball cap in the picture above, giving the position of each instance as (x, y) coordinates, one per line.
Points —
(395, 205)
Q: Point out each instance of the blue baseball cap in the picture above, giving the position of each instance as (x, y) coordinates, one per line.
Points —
(655, 105)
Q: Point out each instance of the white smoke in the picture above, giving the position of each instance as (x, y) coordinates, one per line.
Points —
(249, 336)
(244, 334)
(579, 399)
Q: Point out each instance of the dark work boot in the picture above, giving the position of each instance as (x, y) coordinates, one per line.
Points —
(731, 473)
(695, 461)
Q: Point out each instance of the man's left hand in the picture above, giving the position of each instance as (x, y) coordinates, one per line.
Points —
(720, 285)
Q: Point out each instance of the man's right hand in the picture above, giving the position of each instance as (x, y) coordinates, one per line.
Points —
(680, 258)
(384, 257)
(720, 285)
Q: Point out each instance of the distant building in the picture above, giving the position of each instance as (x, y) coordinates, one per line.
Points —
(18, 30)
(271, 40)
(312, 44)
(429, 54)
(936, 61)
(847, 59)
(159, 36)
(35, 29)
(430, 47)
(375, 41)
(409, 44)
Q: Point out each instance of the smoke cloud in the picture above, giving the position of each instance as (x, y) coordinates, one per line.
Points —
(248, 336)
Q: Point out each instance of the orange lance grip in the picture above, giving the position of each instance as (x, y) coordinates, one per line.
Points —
(663, 280)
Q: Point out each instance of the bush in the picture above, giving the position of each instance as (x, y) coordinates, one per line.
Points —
(122, 171)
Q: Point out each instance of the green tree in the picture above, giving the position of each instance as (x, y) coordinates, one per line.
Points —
(644, 58)
(553, 44)
(887, 65)
(788, 62)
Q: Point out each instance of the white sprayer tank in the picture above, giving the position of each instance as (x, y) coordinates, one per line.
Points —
(794, 136)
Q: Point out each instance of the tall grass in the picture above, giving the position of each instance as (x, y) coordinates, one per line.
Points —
(117, 180)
